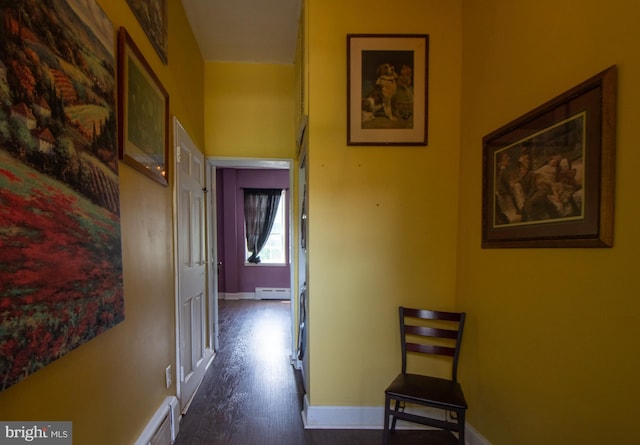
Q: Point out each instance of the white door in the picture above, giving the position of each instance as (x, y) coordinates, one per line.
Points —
(194, 332)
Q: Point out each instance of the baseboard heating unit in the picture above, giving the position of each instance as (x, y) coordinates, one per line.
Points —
(273, 293)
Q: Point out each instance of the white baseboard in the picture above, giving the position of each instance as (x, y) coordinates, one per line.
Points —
(169, 407)
(362, 418)
(473, 437)
(341, 417)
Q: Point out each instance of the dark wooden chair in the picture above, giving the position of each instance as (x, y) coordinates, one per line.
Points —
(432, 333)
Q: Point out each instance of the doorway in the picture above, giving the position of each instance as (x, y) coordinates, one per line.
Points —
(215, 163)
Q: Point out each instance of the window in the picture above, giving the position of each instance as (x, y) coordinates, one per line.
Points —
(274, 250)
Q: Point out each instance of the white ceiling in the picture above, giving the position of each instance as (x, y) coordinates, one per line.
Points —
(252, 31)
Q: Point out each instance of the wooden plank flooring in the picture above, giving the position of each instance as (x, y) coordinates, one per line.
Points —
(251, 395)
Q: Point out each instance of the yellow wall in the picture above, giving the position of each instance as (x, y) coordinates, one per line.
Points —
(110, 386)
(550, 354)
(382, 220)
(249, 110)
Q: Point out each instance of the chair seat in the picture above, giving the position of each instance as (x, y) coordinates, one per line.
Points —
(425, 389)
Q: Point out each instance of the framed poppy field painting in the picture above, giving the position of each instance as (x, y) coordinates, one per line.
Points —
(61, 281)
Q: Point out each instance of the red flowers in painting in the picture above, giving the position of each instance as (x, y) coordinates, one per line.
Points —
(60, 252)
(60, 271)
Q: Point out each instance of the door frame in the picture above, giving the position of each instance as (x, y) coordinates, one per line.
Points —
(212, 163)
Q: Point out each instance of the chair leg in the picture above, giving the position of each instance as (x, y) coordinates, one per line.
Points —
(394, 419)
(461, 426)
(385, 436)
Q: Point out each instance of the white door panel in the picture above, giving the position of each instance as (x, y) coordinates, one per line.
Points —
(195, 351)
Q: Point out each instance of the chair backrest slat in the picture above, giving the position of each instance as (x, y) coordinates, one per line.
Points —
(425, 331)
(431, 332)
(431, 349)
(432, 315)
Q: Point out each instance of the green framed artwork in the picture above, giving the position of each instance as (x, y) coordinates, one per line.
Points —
(143, 113)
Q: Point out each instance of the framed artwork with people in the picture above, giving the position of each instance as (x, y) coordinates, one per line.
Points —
(548, 176)
(387, 85)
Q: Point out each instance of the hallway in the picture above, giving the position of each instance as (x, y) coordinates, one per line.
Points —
(252, 395)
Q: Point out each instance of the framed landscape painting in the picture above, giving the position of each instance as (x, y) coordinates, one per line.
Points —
(152, 16)
(387, 85)
(61, 262)
(143, 113)
(548, 176)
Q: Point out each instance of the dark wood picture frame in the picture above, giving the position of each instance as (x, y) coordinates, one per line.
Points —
(548, 176)
(387, 89)
(153, 17)
(143, 113)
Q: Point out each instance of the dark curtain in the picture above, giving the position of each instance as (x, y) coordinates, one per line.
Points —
(260, 206)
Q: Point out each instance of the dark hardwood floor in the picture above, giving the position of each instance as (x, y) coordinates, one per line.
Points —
(252, 395)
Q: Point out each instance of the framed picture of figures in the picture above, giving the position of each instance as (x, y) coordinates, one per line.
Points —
(548, 176)
(387, 86)
(60, 238)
